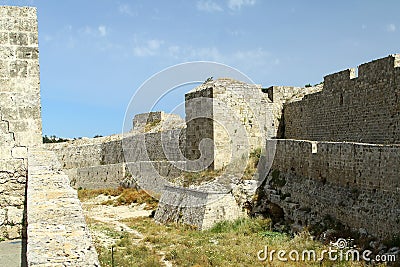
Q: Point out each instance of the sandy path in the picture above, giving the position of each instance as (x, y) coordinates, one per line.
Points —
(112, 216)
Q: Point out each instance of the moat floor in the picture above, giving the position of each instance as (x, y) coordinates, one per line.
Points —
(10, 253)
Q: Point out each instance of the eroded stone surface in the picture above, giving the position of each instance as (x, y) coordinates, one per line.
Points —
(57, 232)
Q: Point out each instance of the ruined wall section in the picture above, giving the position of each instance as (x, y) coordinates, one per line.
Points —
(228, 118)
(356, 184)
(196, 207)
(20, 119)
(235, 116)
(358, 109)
(242, 119)
(199, 124)
(107, 161)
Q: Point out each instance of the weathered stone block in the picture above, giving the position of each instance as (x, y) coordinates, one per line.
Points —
(6, 53)
(27, 52)
(14, 215)
(18, 68)
(19, 152)
(18, 39)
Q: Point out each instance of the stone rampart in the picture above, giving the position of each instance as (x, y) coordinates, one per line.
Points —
(357, 184)
(350, 108)
(107, 161)
(57, 232)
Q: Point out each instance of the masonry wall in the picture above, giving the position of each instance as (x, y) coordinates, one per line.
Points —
(20, 119)
(229, 117)
(57, 232)
(359, 109)
(357, 184)
(195, 207)
(107, 161)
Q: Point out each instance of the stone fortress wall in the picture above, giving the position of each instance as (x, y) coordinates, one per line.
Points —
(354, 109)
(237, 117)
(36, 200)
(108, 161)
(355, 183)
(20, 119)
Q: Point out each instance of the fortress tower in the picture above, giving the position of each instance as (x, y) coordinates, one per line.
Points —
(20, 119)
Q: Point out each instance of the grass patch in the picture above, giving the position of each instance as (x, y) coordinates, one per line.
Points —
(86, 194)
(125, 196)
(124, 252)
(226, 244)
(196, 178)
(130, 195)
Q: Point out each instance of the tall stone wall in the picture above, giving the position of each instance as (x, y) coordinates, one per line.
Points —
(230, 117)
(359, 109)
(357, 184)
(107, 161)
(20, 114)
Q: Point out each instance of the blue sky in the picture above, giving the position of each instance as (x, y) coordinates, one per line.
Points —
(95, 54)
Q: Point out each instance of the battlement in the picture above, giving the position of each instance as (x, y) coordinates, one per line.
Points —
(379, 69)
(370, 72)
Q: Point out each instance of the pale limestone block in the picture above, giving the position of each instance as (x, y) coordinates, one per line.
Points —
(19, 152)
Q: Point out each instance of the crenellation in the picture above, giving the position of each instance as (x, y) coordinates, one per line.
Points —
(379, 69)
(338, 81)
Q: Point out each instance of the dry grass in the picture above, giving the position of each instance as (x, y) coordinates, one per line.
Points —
(86, 194)
(196, 178)
(125, 196)
(227, 244)
(129, 196)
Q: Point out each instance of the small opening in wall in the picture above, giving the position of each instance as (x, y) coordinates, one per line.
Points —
(341, 99)
(314, 148)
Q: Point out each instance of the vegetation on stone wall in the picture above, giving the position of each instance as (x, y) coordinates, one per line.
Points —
(53, 139)
(251, 167)
(151, 125)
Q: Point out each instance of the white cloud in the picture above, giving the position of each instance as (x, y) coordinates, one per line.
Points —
(238, 4)
(149, 48)
(391, 27)
(208, 6)
(126, 10)
(102, 30)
